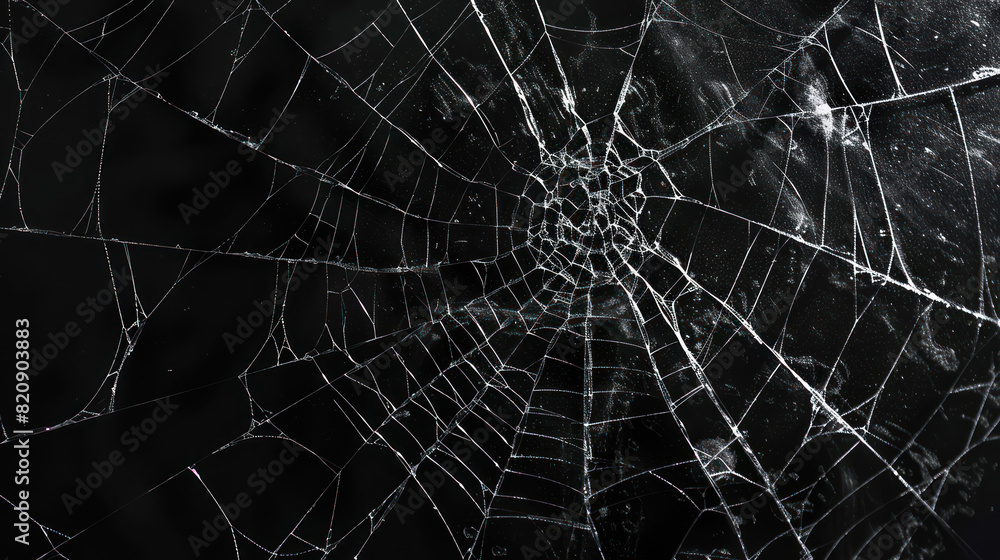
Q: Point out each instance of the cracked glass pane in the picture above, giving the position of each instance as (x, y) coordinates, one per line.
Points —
(501, 280)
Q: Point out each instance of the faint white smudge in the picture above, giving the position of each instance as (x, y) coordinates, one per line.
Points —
(716, 456)
(985, 72)
(825, 113)
(820, 109)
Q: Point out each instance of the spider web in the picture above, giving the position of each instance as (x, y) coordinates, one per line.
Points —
(533, 279)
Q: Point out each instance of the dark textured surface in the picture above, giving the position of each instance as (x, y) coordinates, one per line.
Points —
(506, 280)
